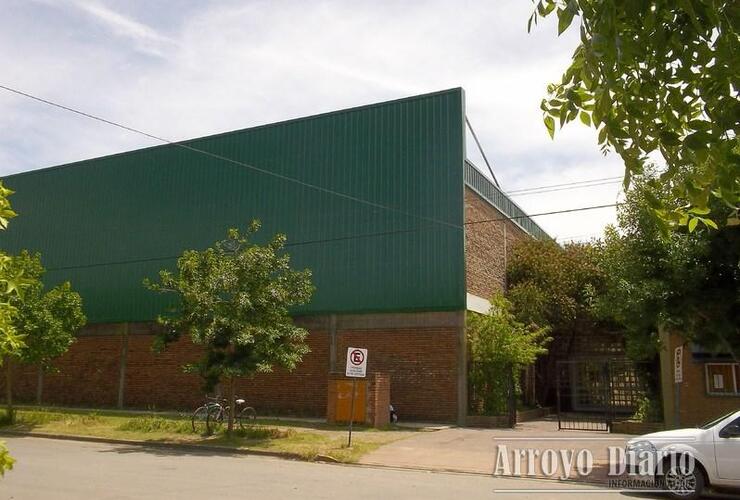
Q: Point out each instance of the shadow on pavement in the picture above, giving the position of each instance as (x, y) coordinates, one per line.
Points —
(173, 450)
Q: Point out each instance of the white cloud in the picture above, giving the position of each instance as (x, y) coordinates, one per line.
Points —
(226, 65)
(145, 38)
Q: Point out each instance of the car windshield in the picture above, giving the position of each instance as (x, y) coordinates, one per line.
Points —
(715, 421)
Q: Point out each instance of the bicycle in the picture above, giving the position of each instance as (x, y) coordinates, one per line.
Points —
(216, 410)
(199, 418)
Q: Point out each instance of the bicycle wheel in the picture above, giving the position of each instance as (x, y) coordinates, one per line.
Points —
(215, 418)
(246, 417)
(200, 419)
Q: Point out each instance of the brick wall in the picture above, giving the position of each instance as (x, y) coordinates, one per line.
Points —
(422, 366)
(695, 405)
(485, 263)
(418, 351)
(88, 373)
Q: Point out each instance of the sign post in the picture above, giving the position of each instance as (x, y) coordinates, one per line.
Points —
(356, 368)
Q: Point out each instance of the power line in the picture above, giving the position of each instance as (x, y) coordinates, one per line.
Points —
(567, 188)
(224, 158)
(553, 212)
(577, 236)
(341, 238)
(582, 239)
(267, 172)
(285, 177)
(537, 188)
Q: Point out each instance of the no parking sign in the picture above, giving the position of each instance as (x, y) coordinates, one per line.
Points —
(356, 362)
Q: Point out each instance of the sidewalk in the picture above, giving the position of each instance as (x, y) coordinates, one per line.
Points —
(475, 450)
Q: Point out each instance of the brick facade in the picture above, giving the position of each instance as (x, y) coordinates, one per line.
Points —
(424, 354)
(487, 246)
(422, 366)
(695, 405)
(417, 351)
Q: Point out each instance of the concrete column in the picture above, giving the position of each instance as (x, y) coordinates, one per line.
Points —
(122, 369)
(462, 371)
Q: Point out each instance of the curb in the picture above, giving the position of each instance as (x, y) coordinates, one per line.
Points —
(157, 444)
(272, 454)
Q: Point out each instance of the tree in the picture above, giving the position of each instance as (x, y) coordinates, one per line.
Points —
(683, 281)
(10, 286)
(500, 346)
(657, 77)
(552, 286)
(47, 320)
(234, 300)
(548, 282)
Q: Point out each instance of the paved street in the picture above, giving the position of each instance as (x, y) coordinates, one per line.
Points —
(50, 470)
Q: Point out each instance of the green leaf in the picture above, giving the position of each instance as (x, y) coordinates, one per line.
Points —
(585, 118)
(708, 222)
(602, 135)
(699, 124)
(698, 140)
(692, 224)
(565, 17)
(699, 211)
(670, 138)
(550, 124)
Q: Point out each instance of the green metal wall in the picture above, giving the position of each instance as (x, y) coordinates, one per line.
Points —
(105, 224)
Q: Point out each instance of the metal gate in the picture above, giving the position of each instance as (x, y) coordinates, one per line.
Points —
(592, 393)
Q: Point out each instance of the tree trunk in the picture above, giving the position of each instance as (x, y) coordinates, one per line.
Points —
(232, 403)
(9, 390)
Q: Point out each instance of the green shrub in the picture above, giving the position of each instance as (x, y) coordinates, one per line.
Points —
(500, 346)
(6, 461)
(648, 410)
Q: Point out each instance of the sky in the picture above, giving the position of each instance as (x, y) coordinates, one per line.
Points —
(180, 69)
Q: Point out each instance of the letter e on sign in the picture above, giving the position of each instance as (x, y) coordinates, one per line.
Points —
(356, 362)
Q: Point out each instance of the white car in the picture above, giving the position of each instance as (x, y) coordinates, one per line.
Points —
(686, 461)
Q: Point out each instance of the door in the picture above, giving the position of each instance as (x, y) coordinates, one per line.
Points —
(727, 450)
(344, 400)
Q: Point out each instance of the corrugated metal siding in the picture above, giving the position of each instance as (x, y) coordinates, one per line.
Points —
(479, 183)
(105, 224)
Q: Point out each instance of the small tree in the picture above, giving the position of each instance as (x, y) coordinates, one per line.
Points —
(47, 320)
(234, 300)
(500, 346)
(10, 285)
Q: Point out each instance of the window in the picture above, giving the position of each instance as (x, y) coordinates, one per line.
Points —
(722, 378)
